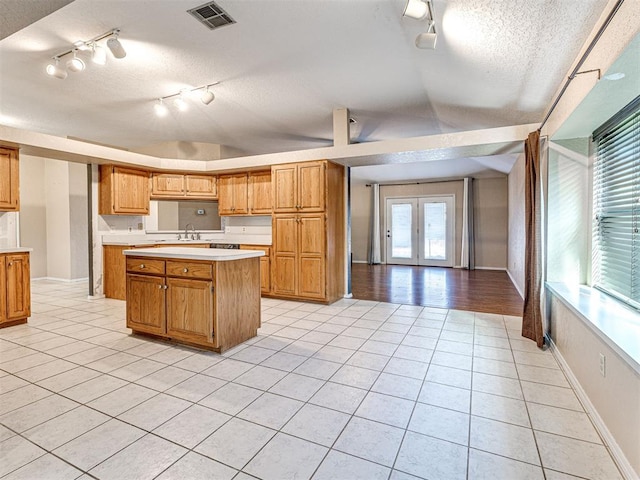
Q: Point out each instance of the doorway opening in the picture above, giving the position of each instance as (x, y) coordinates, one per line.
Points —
(420, 230)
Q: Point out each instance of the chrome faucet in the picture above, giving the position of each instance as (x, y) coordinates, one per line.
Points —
(186, 231)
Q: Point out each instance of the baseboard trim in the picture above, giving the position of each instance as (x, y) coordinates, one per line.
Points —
(359, 261)
(515, 284)
(500, 269)
(62, 280)
(610, 443)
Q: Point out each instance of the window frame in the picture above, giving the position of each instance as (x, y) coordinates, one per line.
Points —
(602, 135)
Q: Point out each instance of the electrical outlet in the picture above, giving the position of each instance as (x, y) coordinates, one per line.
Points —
(603, 365)
(244, 229)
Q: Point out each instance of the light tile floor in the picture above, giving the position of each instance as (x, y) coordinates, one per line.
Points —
(355, 390)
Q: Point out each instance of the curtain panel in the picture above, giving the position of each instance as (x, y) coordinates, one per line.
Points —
(532, 327)
(375, 254)
(467, 260)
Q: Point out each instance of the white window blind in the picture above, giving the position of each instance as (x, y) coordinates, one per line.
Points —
(616, 195)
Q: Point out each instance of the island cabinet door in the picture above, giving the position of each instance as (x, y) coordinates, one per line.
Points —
(190, 310)
(18, 286)
(146, 304)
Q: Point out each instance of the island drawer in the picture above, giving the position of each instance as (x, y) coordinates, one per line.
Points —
(189, 269)
(145, 265)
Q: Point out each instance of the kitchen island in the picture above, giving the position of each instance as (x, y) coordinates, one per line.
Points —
(204, 297)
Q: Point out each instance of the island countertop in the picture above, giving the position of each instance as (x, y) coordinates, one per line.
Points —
(186, 253)
(16, 250)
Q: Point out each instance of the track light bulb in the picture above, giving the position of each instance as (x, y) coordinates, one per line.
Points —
(160, 108)
(116, 47)
(54, 70)
(417, 9)
(75, 64)
(207, 96)
(181, 103)
(98, 55)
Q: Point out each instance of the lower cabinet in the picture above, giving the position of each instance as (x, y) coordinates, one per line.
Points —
(190, 309)
(299, 266)
(15, 288)
(265, 266)
(146, 304)
(215, 305)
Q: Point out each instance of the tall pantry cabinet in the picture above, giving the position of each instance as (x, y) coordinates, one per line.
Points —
(308, 231)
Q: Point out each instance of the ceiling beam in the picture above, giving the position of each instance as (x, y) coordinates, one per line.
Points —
(448, 146)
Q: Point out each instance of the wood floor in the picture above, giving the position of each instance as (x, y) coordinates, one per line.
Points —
(478, 290)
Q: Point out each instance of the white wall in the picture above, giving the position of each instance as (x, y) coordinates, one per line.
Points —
(33, 212)
(616, 396)
(58, 224)
(516, 235)
(53, 217)
(490, 210)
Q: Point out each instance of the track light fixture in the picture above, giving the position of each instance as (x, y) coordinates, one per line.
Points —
(54, 70)
(207, 96)
(160, 108)
(115, 46)
(98, 54)
(421, 10)
(180, 100)
(75, 64)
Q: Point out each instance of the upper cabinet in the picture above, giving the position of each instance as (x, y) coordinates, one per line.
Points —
(260, 199)
(245, 194)
(123, 191)
(183, 186)
(233, 194)
(299, 187)
(9, 180)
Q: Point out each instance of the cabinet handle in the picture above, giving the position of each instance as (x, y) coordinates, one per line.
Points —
(142, 265)
(185, 270)
(165, 287)
(160, 286)
(10, 263)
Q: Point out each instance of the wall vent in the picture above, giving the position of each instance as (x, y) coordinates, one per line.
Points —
(211, 15)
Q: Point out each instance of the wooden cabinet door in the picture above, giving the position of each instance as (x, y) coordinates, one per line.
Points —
(146, 303)
(284, 187)
(311, 276)
(225, 195)
(18, 286)
(241, 195)
(114, 272)
(9, 178)
(285, 254)
(190, 309)
(311, 236)
(202, 186)
(311, 187)
(265, 274)
(260, 202)
(3, 290)
(233, 194)
(167, 185)
(131, 191)
(284, 274)
(285, 234)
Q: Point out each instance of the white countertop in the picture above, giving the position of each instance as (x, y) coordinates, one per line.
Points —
(186, 253)
(16, 250)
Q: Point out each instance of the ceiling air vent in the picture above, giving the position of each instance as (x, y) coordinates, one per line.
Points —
(211, 15)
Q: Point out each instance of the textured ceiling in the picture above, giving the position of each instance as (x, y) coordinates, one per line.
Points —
(285, 65)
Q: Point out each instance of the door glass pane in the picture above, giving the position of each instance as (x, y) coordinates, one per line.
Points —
(435, 234)
(401, 230)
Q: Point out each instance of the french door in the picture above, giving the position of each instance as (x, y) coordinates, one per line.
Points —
(419, 231)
